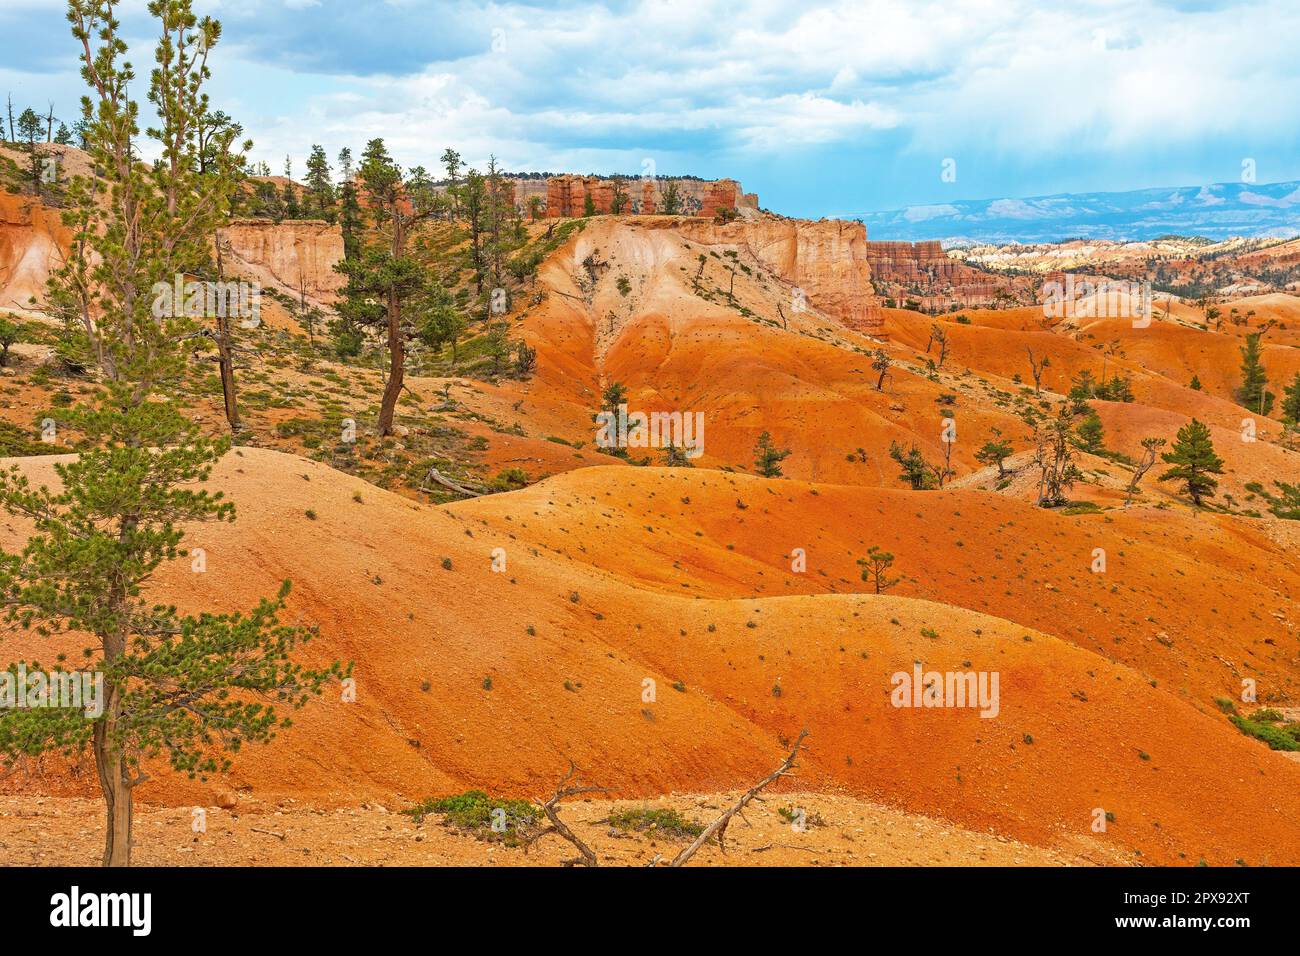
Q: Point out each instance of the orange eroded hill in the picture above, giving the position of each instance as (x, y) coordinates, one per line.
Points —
(408, 594)
(1168, 572)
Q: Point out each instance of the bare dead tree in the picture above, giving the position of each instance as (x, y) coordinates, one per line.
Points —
(569, 787)
(1036, 369)
(1150, 450)
(940, 335)
(718, 827)
(946, 472)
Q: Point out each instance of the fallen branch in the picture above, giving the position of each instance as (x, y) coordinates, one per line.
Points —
(587, 856)
(719, 826)
(436, 476)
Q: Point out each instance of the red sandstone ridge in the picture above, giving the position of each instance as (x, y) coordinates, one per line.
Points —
(298, 256)
(566, 196)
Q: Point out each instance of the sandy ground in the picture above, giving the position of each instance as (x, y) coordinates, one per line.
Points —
(53, 831)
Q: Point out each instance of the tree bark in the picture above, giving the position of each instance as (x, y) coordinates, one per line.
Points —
(226, 357)
(396, 364)
(226, 360)
(114, 782)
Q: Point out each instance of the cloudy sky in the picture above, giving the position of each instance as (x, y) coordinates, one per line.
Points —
(822, 108)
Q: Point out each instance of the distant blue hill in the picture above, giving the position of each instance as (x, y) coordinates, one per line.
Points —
(1215, 212)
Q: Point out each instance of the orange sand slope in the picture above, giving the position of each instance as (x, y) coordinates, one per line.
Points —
(569, 641)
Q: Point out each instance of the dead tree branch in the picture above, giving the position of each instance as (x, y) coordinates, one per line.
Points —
(587, 856)
(435, 475)
(719, 826)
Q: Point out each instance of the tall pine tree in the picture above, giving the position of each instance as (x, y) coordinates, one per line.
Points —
(386, 286)
(176, 689)
(1253, 393)
(1291, 403)
(320, 189)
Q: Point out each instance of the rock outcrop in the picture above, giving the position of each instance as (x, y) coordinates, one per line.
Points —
(296, 256)
(923, 272)
(825, 262)
(33, 241)
(910, 261)
(566, 196)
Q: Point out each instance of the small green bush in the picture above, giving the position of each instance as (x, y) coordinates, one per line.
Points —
(473, 812)
(668, 822)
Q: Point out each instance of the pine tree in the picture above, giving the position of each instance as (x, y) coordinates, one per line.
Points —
(320, 187)
(917, 472)
(1194, 462)
(474, 203)
(672, 199)
(1090, 432)
(289, 198)
(618, 198)
(498, 344)
(443, 323)
(880, 364)
(31, 129)
(875, 568)
(1195, 384)
(183, 689)
(451, 161)
(496, 210)
(1291, 403)
(10, 333)
(612, 397)
(995, 452)
(675, 457)
(387, 288)
(1253, 393)
(350, 223)
(213, 128)
(1150, 449)
(768, 458)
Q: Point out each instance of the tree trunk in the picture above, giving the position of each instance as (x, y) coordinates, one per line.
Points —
(225, 355)
(396, 363)
(226, 360)
(114, 782)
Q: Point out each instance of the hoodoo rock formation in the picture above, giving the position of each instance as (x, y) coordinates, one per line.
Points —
(566, 196)
(923, 272)
(911, 261)
(298, 256)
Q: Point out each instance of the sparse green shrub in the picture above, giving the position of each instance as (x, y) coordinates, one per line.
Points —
(666, 822)
(484, 817)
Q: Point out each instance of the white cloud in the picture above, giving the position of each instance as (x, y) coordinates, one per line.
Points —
(598, 87)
